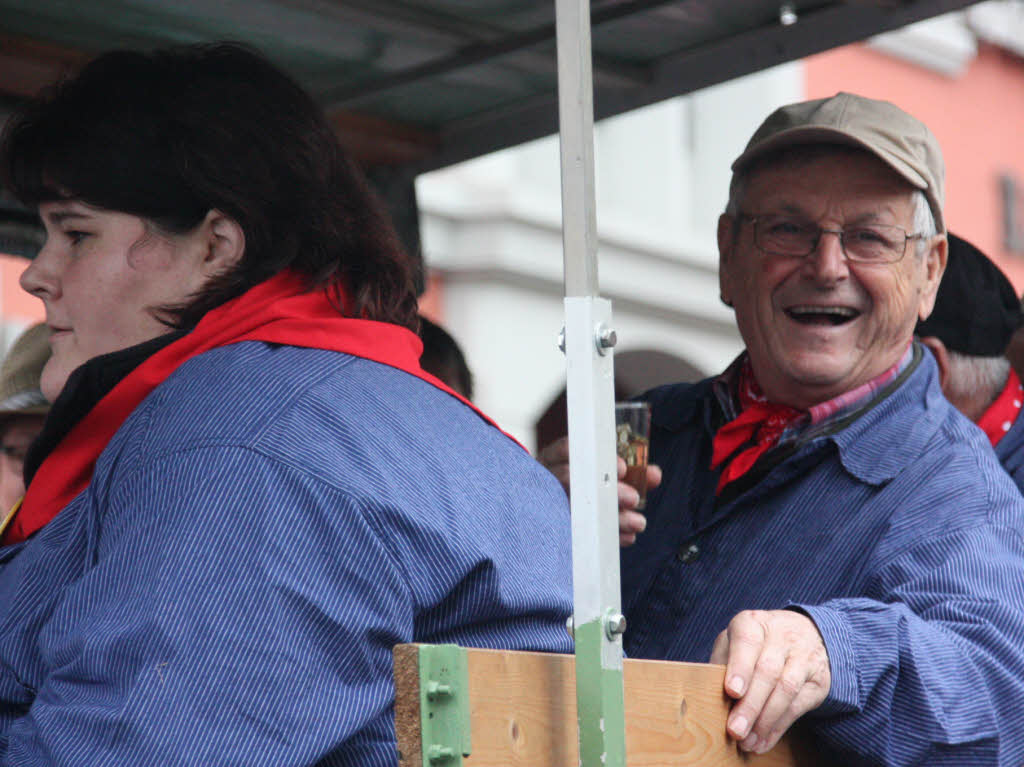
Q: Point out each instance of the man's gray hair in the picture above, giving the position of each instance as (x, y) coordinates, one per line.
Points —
(924, 222)
(975, 381)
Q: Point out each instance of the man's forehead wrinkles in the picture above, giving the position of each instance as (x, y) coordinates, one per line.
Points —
(853, 205)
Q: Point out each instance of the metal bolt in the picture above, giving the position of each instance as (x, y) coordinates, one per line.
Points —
(614, 625)
(438, 689)
(605, 338)
(570, 628)
(561, 340)
(787, 14)
(437, 753)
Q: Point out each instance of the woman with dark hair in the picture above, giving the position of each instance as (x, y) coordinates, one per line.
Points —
(247, 490)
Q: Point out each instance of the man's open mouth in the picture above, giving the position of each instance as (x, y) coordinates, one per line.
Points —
(822, 315)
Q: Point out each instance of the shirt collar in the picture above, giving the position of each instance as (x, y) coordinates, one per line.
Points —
(893, 428)
(908, 403)
(818, 416)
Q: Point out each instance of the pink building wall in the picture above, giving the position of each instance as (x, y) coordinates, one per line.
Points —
(977, 117)
(15, 303)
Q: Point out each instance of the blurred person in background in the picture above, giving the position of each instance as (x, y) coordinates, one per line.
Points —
(443, 358)
(23, 409)
(1015, 349)
(976, 314)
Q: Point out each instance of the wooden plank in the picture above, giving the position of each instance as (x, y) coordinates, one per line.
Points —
(523, 712)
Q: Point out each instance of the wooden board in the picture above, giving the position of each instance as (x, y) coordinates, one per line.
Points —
(523, 713)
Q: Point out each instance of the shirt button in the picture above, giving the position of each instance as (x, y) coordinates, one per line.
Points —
(689, 554)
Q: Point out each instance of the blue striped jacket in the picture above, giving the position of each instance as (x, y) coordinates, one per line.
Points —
(1010, 451)
(900, 535)
(256, 537)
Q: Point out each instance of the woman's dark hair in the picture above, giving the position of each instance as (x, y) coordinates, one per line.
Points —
(172, 134)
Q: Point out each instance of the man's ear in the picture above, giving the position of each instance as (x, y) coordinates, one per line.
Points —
(224, 243)
(941, 357)
(935, 267)
(726, 241)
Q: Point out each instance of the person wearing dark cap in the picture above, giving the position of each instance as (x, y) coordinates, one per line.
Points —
(976, 313)
(23, 409)
(1015, 349)
(828, 525)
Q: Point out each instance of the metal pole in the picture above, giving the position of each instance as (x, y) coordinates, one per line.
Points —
(588, 341)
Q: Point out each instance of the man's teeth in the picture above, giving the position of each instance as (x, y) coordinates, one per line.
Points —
(838, 311)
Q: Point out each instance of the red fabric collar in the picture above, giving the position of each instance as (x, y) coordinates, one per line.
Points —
(1001, 414)
(276, 311)
(759, 421)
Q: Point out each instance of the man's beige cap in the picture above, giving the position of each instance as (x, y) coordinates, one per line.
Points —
(902, 142)
(20, 373)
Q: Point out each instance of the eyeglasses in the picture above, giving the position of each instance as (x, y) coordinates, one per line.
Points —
(797, 237)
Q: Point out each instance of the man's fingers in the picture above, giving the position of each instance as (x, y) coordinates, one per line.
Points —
(746, 638)
(653, 476)
(628, 497)
(632, 522)
(778, 668)
(779, 710)
(720, 651)
(748, 710)
(805, 701)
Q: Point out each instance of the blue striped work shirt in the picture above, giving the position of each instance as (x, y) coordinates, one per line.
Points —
(257, 535)
(900, 535)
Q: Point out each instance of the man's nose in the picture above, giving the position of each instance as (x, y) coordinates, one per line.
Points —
(827, 262)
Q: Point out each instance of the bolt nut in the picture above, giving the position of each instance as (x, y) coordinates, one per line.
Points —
(615, 625)
(438, 689)
(438, 753)
(561, 340)
(605, 338)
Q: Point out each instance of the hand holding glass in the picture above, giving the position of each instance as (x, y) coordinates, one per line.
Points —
(632, 443)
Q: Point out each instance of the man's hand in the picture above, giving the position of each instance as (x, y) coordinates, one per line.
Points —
(777, 668)
(555, 458)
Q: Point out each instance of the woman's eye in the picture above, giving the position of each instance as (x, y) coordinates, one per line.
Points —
(76, 236)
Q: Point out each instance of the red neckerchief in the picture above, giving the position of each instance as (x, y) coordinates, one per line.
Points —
(760, 421)
(277, 311)
(1001, 414)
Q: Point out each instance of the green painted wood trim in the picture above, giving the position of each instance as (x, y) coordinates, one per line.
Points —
(600, 702)
(444, 705)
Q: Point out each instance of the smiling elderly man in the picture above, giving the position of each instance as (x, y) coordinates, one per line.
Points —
(829, 526)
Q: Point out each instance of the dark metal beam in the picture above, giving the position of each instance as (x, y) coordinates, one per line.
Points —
(686, 71)
(477, 53)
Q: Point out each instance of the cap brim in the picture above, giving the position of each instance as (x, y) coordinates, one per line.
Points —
(802, 135)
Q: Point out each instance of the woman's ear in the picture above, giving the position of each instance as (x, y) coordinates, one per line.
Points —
(225, 243)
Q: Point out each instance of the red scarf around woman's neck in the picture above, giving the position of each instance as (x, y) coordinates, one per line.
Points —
(276, 311)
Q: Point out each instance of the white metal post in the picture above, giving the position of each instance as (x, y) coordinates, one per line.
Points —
(589, 339)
